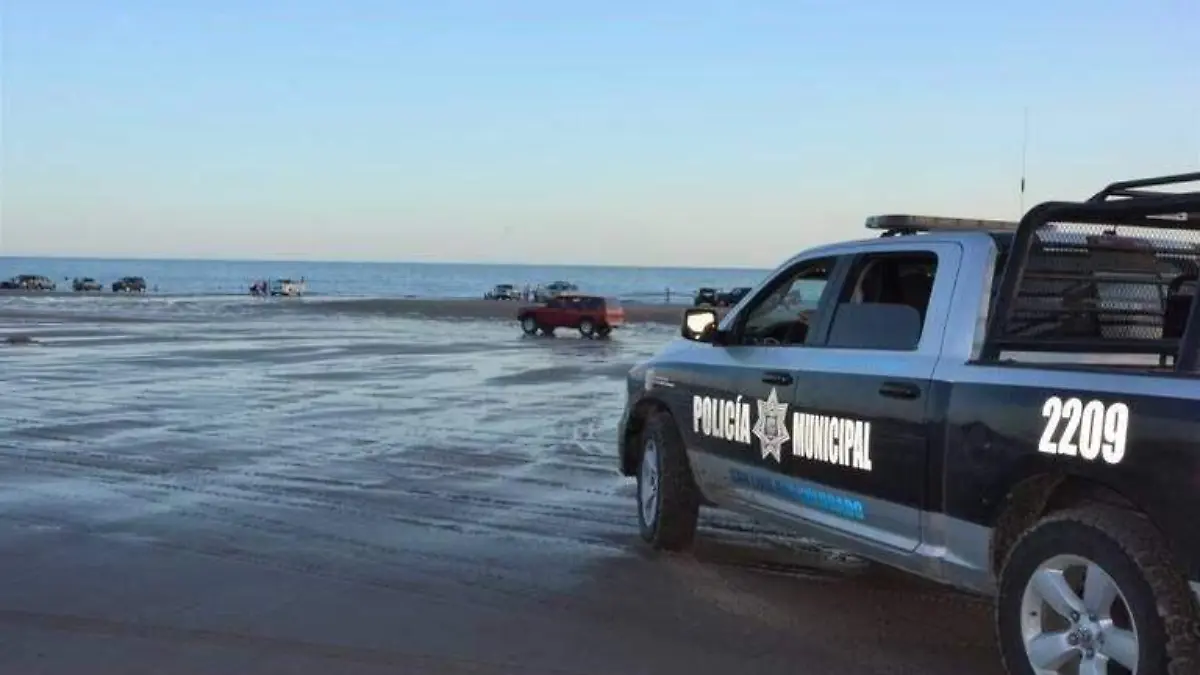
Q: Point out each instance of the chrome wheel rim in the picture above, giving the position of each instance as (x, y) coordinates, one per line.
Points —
(1076, 621)
(648, 483)
(586, 326)
(529, 324)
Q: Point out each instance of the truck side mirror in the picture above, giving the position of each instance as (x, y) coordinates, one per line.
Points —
(699, 324)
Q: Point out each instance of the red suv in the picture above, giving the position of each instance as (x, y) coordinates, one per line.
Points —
(592, 315)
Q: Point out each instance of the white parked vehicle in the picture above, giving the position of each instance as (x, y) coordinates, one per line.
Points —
(288, 287)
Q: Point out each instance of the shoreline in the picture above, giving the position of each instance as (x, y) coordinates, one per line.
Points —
(429, 308)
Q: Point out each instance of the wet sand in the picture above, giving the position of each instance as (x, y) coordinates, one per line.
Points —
(216, 488)
(668, 314)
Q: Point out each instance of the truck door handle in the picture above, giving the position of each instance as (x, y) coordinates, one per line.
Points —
(902, 390)
(777, 378)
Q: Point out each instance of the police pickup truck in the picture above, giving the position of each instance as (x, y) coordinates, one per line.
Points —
(1007, 408)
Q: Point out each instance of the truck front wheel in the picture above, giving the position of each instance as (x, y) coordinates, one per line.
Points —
(1094, 590)
(668, 501)
(529, 325)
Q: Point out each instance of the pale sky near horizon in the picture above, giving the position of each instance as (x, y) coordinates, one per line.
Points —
(677, 133)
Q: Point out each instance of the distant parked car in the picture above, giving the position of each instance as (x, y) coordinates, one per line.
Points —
(502, 292)
(705, 296)
(29, 282)
(591, 315)
(732, 296)
(85, 284)
(288, 288)
(715, 298)
(554, 289)
(129, 285)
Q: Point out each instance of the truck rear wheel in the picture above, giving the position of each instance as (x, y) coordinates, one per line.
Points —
(587, 328)
(668, 501)
(1093, 591)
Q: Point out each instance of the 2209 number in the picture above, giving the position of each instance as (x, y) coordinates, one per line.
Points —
(1091, 429)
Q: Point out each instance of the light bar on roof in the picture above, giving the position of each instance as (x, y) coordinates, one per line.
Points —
(936, 223)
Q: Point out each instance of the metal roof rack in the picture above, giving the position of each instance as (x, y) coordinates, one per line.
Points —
(903, 224)
(1132, 189)
(1119, 205)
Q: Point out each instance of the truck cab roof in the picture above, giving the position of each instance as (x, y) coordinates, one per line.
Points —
(895, 227)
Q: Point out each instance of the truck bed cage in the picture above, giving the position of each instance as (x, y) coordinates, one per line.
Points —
(905, 224)
(1106, 275)
(1132, 188)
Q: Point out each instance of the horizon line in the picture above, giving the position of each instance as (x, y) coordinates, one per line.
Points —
(374, 262)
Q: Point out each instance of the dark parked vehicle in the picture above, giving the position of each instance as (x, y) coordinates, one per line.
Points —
(85, 284)
(591, 315)
(732, 297)
(715, 298)
(502, 292)
(1007, 408)
(705, 296)
(129, 285)
(29, 282)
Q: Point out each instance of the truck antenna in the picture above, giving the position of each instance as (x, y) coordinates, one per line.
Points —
(1024, 158)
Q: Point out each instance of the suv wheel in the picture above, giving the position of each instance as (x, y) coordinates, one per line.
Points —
(668, 502)
(587, 328)
(1093, 590)
(529, 325)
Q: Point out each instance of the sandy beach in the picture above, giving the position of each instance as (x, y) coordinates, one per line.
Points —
(234, 486)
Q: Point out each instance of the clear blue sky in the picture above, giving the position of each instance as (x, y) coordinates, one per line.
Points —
(689, 133)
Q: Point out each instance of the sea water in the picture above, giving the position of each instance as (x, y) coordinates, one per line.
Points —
(349, 279)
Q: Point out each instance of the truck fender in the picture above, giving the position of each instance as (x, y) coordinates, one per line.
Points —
(641, 411)
(1034, 487)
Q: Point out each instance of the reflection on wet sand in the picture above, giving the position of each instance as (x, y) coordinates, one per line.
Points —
(199, 487)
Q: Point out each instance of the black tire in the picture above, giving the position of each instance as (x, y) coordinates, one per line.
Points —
(671, 523)
(529, 325)
(587, 328)
(604, 331)
(1160, 606)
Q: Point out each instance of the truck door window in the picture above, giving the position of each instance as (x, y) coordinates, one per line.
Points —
(784, 314)
(884, 301)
